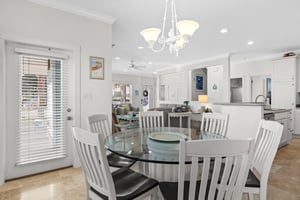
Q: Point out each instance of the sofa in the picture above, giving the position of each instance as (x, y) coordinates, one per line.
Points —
(167, 108)
(123, 109)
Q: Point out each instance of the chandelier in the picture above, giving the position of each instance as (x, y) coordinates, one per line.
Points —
(178, 35)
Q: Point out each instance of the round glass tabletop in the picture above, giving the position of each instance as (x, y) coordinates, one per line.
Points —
(157, 145)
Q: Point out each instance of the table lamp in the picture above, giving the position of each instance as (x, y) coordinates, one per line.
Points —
(202, 99)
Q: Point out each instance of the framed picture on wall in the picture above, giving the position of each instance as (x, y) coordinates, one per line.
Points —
(199, 82)
(96, 68)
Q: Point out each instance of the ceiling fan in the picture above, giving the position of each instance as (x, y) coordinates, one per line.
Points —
(132, 66)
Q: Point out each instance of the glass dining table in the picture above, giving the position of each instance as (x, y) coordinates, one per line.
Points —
(154, 145)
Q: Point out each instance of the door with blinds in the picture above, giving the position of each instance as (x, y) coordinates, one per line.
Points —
(38, 138)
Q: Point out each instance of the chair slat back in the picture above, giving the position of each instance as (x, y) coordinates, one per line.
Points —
(90, 148)
(180, 117)
(215, 123)
(266, 145)
(224, 169)
(151, 119)
(98, 123)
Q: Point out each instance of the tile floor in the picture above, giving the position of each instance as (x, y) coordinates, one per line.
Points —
(68, 184)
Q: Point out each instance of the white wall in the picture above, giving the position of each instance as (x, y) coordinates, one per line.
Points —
(31, 23)
(138, 83)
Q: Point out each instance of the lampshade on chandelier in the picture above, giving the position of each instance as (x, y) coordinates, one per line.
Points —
(178, 35)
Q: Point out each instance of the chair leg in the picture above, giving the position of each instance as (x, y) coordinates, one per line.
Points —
(250, 196)
(263, 195)
(143, 168)
(156, 195)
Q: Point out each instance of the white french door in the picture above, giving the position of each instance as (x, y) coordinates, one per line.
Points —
(39, 102)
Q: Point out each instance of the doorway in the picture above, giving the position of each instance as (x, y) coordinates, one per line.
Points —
(261, 85)
(236, 90)
(39, 103)
(148, 97)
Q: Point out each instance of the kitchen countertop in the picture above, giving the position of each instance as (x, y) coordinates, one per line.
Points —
(275, 110)
(266, 111)
(241, 104)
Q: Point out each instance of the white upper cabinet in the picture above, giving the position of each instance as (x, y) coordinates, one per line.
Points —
(283, 94)
(172, 87)
(284, 83)
(215, 81)
(284, 69)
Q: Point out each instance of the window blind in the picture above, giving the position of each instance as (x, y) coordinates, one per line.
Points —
(42, 106)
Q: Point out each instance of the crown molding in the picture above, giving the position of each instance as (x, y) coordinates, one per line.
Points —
(77, 11)
(267, 57)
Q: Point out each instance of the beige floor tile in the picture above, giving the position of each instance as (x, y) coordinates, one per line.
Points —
(68, 184)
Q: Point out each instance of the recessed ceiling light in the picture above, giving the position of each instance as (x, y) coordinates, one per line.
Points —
(140, 47)
(117, 58)
(150, 63)
(154, 72)
(250, 42)
(224, 30)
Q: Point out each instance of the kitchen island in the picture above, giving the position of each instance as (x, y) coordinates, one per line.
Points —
(244, 119)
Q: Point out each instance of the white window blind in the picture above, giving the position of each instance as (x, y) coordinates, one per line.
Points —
(42, 106)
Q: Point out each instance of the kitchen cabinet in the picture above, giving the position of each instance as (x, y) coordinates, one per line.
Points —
(215, 84)
(284, 69)
(171, 87)
(283, 94)
(284, 118)
(284, 87)
(297, 121)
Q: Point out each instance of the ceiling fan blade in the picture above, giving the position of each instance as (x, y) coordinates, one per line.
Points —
(139, 67)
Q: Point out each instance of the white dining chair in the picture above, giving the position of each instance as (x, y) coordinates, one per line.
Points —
(122, 184)
(98, 123)
(180, 117)
(151, 119)
(266, 145)
(216, 123)
(222, 174)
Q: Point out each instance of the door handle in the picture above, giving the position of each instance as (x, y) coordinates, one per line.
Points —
(69, 118)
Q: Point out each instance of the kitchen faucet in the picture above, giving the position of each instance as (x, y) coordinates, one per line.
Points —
(260, 95)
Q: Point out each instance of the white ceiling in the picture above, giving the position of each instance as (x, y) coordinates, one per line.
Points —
(273, 25)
